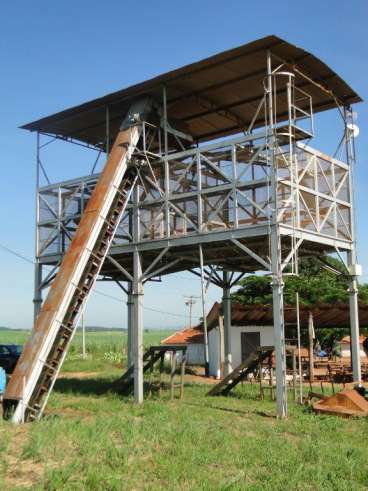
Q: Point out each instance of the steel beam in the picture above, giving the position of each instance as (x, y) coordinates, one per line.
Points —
(352, 255)
(130, 305)
(277, 282)
(137, 298)
(204, 313)
(37, 299)
(354, 322)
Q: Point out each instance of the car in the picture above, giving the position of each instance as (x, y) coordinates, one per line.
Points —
(9, 355)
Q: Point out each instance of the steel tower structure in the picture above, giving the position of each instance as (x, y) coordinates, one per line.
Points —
(222, 182)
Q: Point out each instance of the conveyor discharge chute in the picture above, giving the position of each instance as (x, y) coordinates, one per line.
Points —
(37, 369)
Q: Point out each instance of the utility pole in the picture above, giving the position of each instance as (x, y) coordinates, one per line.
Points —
(189, 303)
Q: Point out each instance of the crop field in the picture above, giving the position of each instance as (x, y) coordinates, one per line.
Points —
(94, 439)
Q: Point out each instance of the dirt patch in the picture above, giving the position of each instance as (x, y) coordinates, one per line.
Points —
(196, 374)
(24, 473)
(20, 472)
(200, 379)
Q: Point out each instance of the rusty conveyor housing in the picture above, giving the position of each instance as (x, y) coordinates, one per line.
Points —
(32, 381)
(227, 185)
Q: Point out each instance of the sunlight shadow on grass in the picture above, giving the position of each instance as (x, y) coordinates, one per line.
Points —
(87, 386)
(232, 410)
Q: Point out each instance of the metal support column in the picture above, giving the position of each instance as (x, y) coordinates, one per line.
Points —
(275, 243)
(84, 354)
(226, 308)
(279, 333)
(137, 297)
(37, 298)
(166, 164)
(311, 346)
(353, 267)
(354, 320)
(204, 315)
(129, 325)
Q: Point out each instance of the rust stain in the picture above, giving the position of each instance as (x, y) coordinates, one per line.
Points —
(67, 269)
(345, 403)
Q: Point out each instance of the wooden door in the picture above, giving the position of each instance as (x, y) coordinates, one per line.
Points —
(250, 341)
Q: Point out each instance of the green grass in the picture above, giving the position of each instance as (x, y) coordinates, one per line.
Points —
(13, 337)
(100, 346)
(93, 439)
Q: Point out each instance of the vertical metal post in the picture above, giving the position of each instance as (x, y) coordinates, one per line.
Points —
(294, 374)
(199, 191)
(137, 297)
(352, 255)
(83, 337)
(130, 325)
(277, 282)
(166, 164)
(311, 342)
(205, 333)
(234, 181)
(300, 368)
(60, 232)
(221, 350)
(37, 299)
(226, 308)
(354, 320)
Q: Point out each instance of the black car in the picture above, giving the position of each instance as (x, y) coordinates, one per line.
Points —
(9, 355)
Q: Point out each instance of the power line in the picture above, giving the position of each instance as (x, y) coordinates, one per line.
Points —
(144, 307)
(11, 251)
(28, 260)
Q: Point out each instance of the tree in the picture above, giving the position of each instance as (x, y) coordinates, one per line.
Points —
(314, 284)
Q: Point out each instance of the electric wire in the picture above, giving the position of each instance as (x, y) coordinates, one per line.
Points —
(98, 292)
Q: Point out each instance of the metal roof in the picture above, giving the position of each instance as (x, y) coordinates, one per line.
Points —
(324, 315)
(188, 335)
(214, 97)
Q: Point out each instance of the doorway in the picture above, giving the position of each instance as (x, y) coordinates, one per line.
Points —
(250, 341)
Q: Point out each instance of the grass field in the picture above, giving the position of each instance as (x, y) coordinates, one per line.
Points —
(93, 439)
(104, 348)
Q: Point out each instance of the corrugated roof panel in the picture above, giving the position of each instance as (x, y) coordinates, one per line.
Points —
(201, 92)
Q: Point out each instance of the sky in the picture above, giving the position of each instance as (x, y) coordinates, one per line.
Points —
(58, 54)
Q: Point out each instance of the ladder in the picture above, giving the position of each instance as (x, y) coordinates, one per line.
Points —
(38, 367)
(241, 371)
(125, 383)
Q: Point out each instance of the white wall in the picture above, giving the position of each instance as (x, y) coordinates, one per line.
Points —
(345, 351)
(214, 352)
(266, 335)
(195, 355)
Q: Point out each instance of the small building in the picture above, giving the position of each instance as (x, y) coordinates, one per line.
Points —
(252, 327)
(344, 346)
(193, 339)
